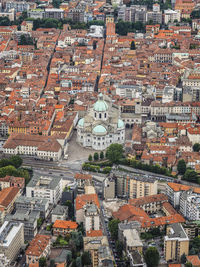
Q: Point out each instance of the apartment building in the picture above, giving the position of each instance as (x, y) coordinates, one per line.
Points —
(33, 204)
(11, 239)
(171, 16)
(163, 56)
(176, 242)
(38, 247)
(29, 219)
(92, 217)
(97, 246)
(45, 187)
(18, 6)
(134, 185)
(174, 191)
(8, 197)
(190, 205)
(134, 13)
(54, 13)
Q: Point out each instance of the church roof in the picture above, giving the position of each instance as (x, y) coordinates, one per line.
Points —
(99, 129)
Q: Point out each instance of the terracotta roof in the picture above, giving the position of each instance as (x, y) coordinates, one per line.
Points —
(92, 233)
(174, 265)
(7, 195)
(38, 245)
(65, 224)
(194, 259)
(82, 200)
(148, 199)
(180, 187)
(83, 176)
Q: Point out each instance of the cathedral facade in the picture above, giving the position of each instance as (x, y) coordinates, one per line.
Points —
(101, 126)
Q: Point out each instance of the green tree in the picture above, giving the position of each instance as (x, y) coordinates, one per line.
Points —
(16, 161)
(188, 264)
(133, 45)
(181, 167)
(196, 147)
(114, 153)
(42, 262)
(86, 258)
(69, 204)
(39, 222)
(152, 257)
(96, 156)
(183, 258)
(56, 3)
(113, 228)
(119, 248)
(101, 155)
(90, 157)
(190, 175)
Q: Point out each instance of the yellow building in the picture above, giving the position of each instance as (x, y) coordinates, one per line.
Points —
(176, 242)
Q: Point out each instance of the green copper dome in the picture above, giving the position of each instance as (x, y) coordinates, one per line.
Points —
(120, 124)
(100, 105)
(99, 129)
(81, 122)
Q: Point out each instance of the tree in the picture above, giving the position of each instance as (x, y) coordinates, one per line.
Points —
(113, 228)
(181, 167)
(86, 258)
(133, 45)
(69, 204)
(42, 262)
(56, 3)
(119, 248)
(101, 155)
(196, 147)
(115, 152)
(188, 264)
(152, 257)
(183, 258)
(190, 175)
(90, 157)
(96, 156)
(16, 161)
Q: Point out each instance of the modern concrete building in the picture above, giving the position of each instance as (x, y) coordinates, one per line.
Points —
(59, 213)
(11, 239)
(29, 219)
(45, 188)
(33, 204)
(133, 185)
(92, 217)
(176, 242)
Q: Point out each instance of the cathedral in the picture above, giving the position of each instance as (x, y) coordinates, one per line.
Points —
(101, 126)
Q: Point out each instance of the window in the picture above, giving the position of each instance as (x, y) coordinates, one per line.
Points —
(100, 116)
(105, 115)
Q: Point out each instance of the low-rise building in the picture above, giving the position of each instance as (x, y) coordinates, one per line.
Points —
(11, 239)
(59, 213)
(11, 181)
(45, 187)
(38, 247)
(176, 242)
(61, 227)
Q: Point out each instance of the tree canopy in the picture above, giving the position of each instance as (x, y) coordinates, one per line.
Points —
(113, 227)
(181, 167)
(152, 257)
(196, 147)
(114, 152)
(191, 176)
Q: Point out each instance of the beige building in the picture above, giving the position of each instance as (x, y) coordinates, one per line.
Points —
(176, 242)
(11, 239)
(134, 185)
(97, 246)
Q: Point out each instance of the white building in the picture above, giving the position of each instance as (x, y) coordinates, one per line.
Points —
(102, 125)
(45, 187)
(11, 239)
(171, 16)
(44, 147)
(92, 218)
(190, 205)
